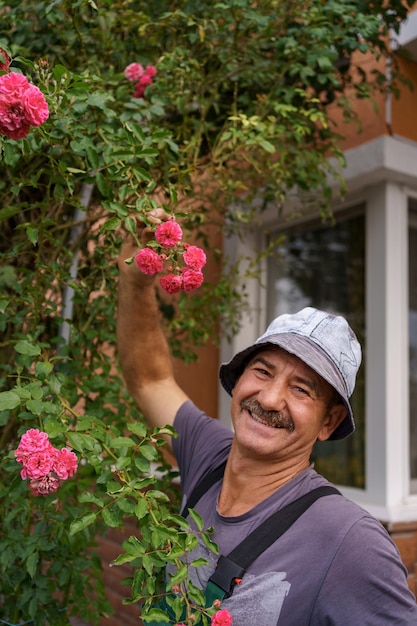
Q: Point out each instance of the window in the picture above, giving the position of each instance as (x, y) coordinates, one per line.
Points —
(324, 266)
(412, 323)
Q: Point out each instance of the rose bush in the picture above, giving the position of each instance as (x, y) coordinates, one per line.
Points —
(108, 110)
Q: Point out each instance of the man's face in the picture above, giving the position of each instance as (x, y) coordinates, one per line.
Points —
(280, 407)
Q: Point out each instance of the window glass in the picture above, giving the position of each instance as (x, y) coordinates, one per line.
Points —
(323, 265)
(412, 323)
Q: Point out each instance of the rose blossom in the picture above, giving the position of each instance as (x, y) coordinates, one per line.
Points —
(194, 257)
(168, 234)
(192, 279)
(65, 463)
(35, 105)
(148, 261)
(150, 71)
(171, 283)
(134, 72)
(144, 81)
(38, 464)
(32, 441)
(21, 104)
(44, 464)
(222, 618)
(45, 485)
(141, 85)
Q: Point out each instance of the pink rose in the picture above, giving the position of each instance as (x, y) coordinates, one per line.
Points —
(35, 105)
(45, 485)
(194, 257)
(65, 463)
(38, 464)
(171, 283)
(192, 279)
(141, 85)
(21, 104)
(32, 441)
(148, 261)
(168, 234)
(222, 618)
(144, 81)
(134, 72)
(13, 85)
(12, 121)
(150, 71)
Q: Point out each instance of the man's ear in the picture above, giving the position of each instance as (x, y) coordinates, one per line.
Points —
(334, 416)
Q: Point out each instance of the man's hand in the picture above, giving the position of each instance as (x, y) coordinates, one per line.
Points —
(128, 271)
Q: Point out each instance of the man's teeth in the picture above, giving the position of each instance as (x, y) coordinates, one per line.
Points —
(266, 422)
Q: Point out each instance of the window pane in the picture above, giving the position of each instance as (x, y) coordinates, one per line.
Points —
(412, 322)
(324, 266)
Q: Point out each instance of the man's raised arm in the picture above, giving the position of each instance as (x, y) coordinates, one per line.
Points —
(143, 350)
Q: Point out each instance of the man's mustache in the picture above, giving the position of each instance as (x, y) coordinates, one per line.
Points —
(277, 419)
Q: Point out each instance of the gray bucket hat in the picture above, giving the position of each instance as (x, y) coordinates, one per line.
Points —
(323, 341)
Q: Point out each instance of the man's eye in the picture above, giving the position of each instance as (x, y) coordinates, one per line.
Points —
(261, 371)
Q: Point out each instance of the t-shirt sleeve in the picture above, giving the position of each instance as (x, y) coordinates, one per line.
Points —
(203, 443)
(366, 582)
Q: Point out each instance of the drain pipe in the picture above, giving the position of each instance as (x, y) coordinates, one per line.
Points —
(76, 231)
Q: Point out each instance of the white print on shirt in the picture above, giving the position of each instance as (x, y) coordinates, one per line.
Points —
(258, 600)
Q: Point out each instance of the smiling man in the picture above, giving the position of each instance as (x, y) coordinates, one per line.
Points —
(335, 565)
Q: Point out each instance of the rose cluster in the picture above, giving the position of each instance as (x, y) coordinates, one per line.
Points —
(22, 104)
(43, 464)
(142, 77)
(169, 257)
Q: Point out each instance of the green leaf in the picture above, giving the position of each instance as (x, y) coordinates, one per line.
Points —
(179, 576)
(35, 406)
(32, 234)
(87, 496)
(82, 442)
(112, 224)
(43, 369)
(25, 347)
(8, 400)
(32, 563)
(197, 519)
(199, 562)
(137, 428)
(142, 465)
(122, 442)
(155, 615)
(111, 518)
(141, 509)
(92, 157)
(82, 522)
(149, 452)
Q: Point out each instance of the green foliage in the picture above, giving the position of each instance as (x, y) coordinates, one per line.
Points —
(239, 106)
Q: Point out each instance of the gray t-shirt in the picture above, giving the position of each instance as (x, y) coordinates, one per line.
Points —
(335, 566)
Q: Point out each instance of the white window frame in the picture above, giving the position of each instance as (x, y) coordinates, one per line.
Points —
(382, 174)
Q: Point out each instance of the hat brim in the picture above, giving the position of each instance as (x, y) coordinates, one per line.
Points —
(310, 353)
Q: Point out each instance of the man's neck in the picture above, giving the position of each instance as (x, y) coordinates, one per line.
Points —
(247, 482)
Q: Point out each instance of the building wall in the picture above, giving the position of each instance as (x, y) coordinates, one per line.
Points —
(405, 536)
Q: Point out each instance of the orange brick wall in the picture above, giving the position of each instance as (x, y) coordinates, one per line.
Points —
(405, 536)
